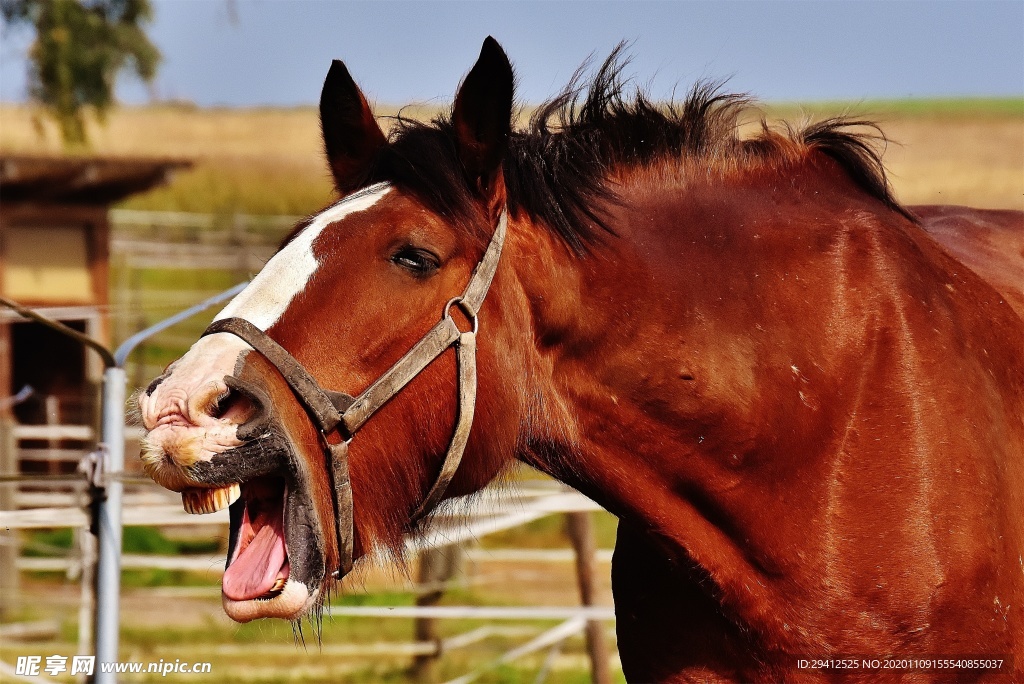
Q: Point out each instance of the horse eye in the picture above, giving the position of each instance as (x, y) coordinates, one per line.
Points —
(418, 261)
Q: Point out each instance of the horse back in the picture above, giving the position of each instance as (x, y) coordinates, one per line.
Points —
(988, 241)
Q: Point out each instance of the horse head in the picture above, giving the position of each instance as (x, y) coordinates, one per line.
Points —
(259, 414)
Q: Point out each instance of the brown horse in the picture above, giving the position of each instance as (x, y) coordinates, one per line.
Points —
(807, 414)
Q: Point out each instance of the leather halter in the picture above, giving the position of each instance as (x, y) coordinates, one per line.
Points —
(341, 413)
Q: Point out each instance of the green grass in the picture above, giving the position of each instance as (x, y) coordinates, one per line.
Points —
(953, 108)
(152, 644)
(272, 651)
(156, 577)
(549, 533)
(150, 540)
(199, 642)
(134, 579)
(136, 539)
(47, 543)
(183, 279)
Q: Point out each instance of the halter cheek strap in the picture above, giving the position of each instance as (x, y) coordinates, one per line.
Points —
(339, 412)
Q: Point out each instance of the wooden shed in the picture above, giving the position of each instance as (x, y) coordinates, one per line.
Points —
(54, 256)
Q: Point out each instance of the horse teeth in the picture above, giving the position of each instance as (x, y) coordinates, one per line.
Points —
(198, 501)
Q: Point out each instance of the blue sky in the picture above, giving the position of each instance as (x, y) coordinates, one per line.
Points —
(276, 52)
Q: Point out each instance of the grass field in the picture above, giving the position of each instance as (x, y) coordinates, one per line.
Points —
(268, 161)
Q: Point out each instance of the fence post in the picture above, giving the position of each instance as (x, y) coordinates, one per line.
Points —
(51, 404)
(437, 567)
(87, 593)
(580, 527)
(108, 568)
(8, 502)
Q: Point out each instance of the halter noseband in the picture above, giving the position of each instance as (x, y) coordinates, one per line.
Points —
(339, 412)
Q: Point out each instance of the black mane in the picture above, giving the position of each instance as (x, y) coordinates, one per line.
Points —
(556, 171)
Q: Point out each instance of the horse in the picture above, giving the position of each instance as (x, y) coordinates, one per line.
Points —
(805, 410)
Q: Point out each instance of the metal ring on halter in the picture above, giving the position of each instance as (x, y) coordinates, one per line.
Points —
(459, 302)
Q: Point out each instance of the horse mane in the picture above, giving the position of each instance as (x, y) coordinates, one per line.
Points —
(557, 171)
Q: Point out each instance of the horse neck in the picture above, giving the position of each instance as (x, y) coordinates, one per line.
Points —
(663, 332)
(713, 373)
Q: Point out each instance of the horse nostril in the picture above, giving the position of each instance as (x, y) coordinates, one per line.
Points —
(156, 383)
(250, 407)
(233, 406)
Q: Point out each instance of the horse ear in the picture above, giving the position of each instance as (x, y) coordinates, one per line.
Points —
(352, 137)
(482, 117)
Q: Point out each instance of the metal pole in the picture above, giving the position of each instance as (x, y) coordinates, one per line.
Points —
(87, 594)
(108, 571)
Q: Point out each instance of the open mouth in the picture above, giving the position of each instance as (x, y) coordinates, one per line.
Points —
(258, 567)
(236, 457)
(275, 563)
(276, 552)
(275, 559)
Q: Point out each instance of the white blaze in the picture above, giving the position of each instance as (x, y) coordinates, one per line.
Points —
(268, 295)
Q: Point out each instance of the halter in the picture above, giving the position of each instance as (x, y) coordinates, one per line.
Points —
(339, 412)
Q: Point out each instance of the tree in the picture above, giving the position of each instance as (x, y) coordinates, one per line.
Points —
(81, 46)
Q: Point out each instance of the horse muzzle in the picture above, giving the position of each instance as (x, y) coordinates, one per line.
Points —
(218, 443)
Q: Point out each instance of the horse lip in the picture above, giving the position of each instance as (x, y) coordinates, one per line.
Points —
(266, 454)
(283, 606)
(304, 540)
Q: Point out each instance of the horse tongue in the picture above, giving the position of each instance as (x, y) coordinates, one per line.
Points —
(255, 570)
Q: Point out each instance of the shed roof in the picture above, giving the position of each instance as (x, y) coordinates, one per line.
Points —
(80, 180)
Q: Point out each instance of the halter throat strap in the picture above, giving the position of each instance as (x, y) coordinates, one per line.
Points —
(339, 412)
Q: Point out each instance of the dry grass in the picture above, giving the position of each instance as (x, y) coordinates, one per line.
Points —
(268, 161)
(177, 132)
(253, 161)
(978, 162)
